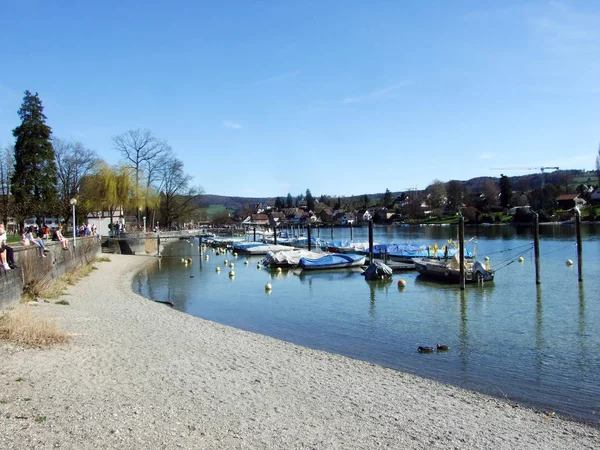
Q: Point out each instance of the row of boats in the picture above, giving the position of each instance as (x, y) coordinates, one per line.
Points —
(430, 261)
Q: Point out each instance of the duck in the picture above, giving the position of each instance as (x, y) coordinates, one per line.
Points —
(425, 349)
(442, 348)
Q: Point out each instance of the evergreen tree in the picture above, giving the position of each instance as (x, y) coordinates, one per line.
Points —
(310, 201)
(289, 201)
(33, 183)
(388, 199)
(279, 204)
(505, 191)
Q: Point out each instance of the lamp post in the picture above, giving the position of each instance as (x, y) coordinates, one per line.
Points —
(144, 224)
(73, 203)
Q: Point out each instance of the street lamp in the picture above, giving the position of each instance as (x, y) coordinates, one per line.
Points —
(73, 203)
(144, 224)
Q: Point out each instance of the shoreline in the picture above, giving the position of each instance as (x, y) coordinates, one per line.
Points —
(138, 374)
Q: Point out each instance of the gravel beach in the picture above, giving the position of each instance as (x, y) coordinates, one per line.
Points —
(138, 374)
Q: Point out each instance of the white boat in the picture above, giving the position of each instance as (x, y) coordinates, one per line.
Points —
(258, 248)
(449, 271)
(288, 258)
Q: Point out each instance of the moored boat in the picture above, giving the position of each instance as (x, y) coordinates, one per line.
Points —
(449, 271)
(333, 261)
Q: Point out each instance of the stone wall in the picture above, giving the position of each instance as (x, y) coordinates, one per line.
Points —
(35, 269)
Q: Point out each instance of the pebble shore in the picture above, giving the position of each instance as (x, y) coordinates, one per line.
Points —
(137, 374)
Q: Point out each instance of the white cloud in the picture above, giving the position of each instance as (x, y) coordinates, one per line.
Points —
(280, 77)
(231, 124)
(374, 94)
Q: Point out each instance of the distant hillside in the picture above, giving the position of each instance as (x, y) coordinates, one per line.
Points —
(231, 203)
(571, 178)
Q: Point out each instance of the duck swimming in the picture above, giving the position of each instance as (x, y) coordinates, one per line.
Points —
(425, 349)
(442, 348)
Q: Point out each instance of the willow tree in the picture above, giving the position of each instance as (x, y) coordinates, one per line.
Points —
(33, 182)
(108, 190)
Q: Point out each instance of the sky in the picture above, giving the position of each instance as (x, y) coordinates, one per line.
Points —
(265, 98)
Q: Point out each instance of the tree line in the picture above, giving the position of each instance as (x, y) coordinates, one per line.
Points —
(41, 174)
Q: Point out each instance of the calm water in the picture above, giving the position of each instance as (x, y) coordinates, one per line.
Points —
(536, 345)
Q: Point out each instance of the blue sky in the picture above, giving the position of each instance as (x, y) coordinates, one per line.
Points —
(266, 98)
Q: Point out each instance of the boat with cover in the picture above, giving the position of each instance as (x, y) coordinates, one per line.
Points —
(259, 248)
(448, 271)
(288, 258)
(333, 261)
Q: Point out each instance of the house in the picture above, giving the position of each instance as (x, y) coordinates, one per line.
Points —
(595, 197)
(348, 219)
(256, 220)
(569, 201)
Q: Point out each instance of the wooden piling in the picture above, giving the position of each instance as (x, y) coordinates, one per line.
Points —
(158, 244)
(332, 232)
(461, 249)
(370, 241)
(536, 246)
(275, 235)
(579, 249)
(254, 231)
(351, 231)
(308, 235)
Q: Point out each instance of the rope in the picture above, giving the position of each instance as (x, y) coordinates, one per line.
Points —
(511, 260)
(511, 249)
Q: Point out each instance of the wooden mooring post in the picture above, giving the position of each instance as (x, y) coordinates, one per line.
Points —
(536, 246)
(158, 244)
(332, 232)
(308, 236)
(351, 231)
(461, 249)
(275, 235)
(370, 241)
(579, 249)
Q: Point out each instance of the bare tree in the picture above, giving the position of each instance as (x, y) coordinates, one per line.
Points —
(142, 152)
(178, 199)
(598, 165)
(436, 195)
(73, 163)
(6, 169)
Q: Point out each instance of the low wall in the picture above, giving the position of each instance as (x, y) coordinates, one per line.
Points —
(34, 269)
(133, 244)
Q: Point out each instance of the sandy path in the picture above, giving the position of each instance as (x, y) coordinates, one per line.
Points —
(138, 374)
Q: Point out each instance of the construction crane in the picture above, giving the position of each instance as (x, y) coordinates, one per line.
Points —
(541, 169)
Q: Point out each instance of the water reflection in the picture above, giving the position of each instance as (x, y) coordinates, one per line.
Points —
(501, 342)
(539, 333)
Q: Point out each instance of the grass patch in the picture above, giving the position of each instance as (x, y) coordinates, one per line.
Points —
(22, 327)
(56, 287)
(102, 259)
(62, 302)
(40, 419)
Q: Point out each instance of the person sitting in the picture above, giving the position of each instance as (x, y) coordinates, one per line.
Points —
(7, 255)
(28, 236)
(58, 237)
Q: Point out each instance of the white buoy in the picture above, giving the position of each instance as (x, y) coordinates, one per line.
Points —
(268, 287)
(218, 269)
(231, 265)
(189, 260)
(569, 262)
(521, 259)
(258, 266)
(278, 270)
(235, 255)
(246, 262)
(401, 283)
(182, 260)
(232, 273)
(225, 262)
